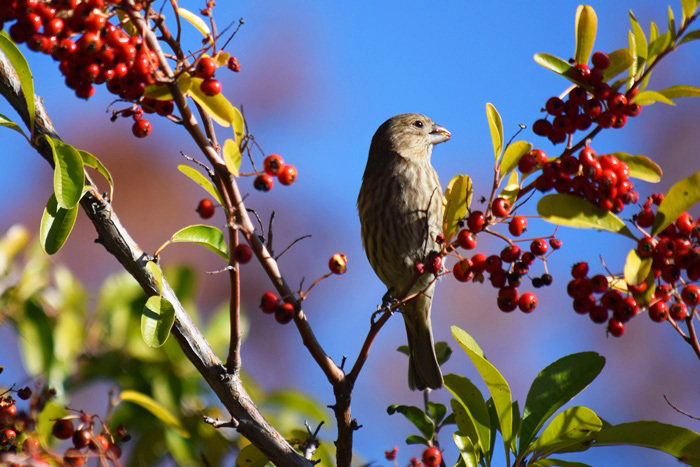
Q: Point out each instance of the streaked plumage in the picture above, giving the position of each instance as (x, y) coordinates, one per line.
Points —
(400, 207)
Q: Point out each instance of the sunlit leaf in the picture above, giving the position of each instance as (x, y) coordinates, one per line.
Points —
(553, 387)
(512, 188)
(156, 320)
(238, 126)
(496, 127)
(641, 167)
(572, 211)
(572, 426)
(7, 123)
(549, 462)
(157, 275)
(56, 225)
(640, 38)
(620, 60)
(457, 198)
(21, 67)
(681, 197)
(632, 72)
(197, 177)
(232, 156)
(512, 155)
(416, 416)
(649, 97)
(154, 408)
(674, 92)
(552, 63)
(691, 36)
(69, 176)
(689, 7)
(671, 23)
(195, 21)
(586, 26)
(160, 92)
(217, 107)
(465, 424)
(467, 450)
(209, 237)
(469, 396)
(636, 268)
(94, 163)
(250, 456)
(658, 45)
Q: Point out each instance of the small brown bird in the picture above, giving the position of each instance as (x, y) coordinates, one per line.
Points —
(400, 207)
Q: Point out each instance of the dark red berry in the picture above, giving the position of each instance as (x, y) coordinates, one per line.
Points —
(554, 106)
(691, 295)
(600, 60)
(233, 64)
(206, 208)
(541, 127)
(475, 221)
(63, 428)
(645, 218)
(81, 438)
(646, 247)
(539, 247)
(510, 253)
(598, 314)
(263, 182)
(658, 312)
(581, 72)
(678, 311)
(242, 253)
(599, 283)
(284, 313)
(555, 243)
(579, 270)
(615, 327)
(269, 302)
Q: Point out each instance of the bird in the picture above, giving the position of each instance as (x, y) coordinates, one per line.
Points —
(400, 210)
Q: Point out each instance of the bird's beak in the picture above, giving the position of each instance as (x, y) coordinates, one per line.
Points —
(439, 135)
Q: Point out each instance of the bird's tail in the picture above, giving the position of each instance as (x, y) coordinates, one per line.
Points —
(423, 369)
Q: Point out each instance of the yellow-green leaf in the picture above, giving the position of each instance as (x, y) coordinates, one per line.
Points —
(7, 123)
(681, 197)
(217, 107)
(195, 21)
(209, 237)
(512, 155)
(636, 268)
(232, 156)
(632, 72)
(238, 126)
(552, 63)
(157, 275)
(674, 92)
(649, 97)
(197, 177)
(56, 225)
(157, 319)
(457, 198)
(620, 60)
(640, 38)
(510, 192)
(21, 67)
(93, 162)
(496, 127)
(689, 7)
(155, 408)
(160, 91)
(586, 26)
(572, 426)
(641, 167)
(250, 456)
(69, 176)
(691, 36)
(573, 211)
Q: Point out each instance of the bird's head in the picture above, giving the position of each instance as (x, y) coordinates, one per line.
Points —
(410, 135)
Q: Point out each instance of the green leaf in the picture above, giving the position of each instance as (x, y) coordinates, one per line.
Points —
(586, 26)
(197, 177)
(512, 155)
(21, 67)
(645, 98)
(691, 36)
(553, 387)
(437, 411)
(161, 92)
(415, 439)
(154, 408)
(572, 426)
(467, 450)
(232, 157)
(674, 92)
(512, 188)
(641, 167)
(238, 126)
(688, 7)
(56, 225)
(636, 268)
(496, 384)
(572, 211)
(496, 128)
(681, 197)
(195, 21)
(7, 123)
(156, 320)
(658, 45)
(557, 463)
(250, 456)
(632, 72)
(552, 63)
(416, 416)
(157, 275)
(679, 442)
(217, 107)
(471, 399)
(36, 340)
(209, 237)
(298, 403)
(620, 60)
(465, 424)
(94, 163)
(457, 198)
(640, 38)
(671, 23)
(443, 352)
(69, 176)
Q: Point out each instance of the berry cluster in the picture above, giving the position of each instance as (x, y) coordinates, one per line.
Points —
(593, 101)
(102, 445)
(271, 303)
(274, 166)
(92, 51)
(507, 269)
(675, 267)
(602, 180)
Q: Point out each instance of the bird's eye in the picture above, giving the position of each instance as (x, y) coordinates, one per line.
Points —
(418, 124)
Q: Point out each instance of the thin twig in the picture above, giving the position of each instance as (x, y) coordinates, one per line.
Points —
(679, 410)
(291, 245)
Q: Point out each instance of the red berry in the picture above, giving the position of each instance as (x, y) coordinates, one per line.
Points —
(527, 302)
(626, 309)
(617, 103)
(141, 128)
(600, 60)
(242, 253)
(500, 207)
(658, 312)
(263, 182)
(493, 263)
(206, 67)
(284, 313)
(478, 263)
(269, 302)
(606, 119)
(527, 163)
(541, 127)
(462, 270)
(592, 108)
(164, 108)
(475, 221)
(81, 438)
(205, 208)
(616, 328)
(114, 452)
(506, 304)
(678, 311)
(99, 444)
(539, 247)
(517, 226)
(432, 457)
(273, 164)
(554, 106)
(73, 458)
(599, 283)
(8, 437)
(63, 428)
(685, 224)
(338, 263)
(233, 64)
(210, 87)
(466, 239)
(31, 446)
(581, 72)
(632, 110)
(579, 270)
(288, 175)
(434, 263)
(510, 253)
(611, 299)
(555, 243)
(598, 314)
(691, 295)
(646, 247)
(539, 155)
(645, 218)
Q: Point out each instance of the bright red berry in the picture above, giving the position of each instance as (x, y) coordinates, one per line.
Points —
(501, 207)
(615, 327)
(658, 312)
(527, 163)
(273, 164)
(233, 64)
(475, 221)
(555, 243)
(206, 67)
(617, 103)
(510, 253)
(205, 208)
(99, 444)
(263, 182)
(600, 60)
(691, 295)
(527, 302)
(288, 175)
(284, 313)
(539, 247)
(8, 437)
(581, 72)
(517, 226)
(269, 302)
(432, 457)
(462, 270)
(646, 247)
(645, 218)
(141, 128)
(579, 270)
(242, 253)
(678, 311)
(466, 239)
(685, 224)
(210, 87)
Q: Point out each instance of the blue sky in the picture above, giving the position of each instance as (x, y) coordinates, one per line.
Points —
(317, 79)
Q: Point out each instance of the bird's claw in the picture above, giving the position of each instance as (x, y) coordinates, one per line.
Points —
(388, 299)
